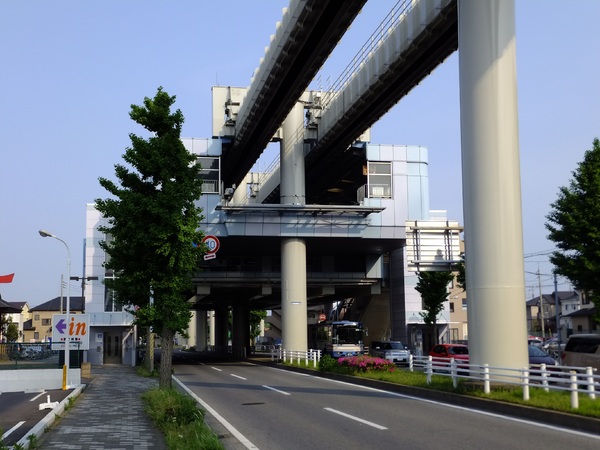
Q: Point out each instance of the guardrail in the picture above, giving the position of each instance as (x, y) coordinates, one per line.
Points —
(576, 380)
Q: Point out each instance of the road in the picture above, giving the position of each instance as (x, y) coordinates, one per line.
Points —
(273, 409)
(19, 412)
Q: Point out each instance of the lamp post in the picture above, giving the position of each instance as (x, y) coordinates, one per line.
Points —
(65, 385)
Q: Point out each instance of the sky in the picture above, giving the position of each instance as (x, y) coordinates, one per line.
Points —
(72, 69)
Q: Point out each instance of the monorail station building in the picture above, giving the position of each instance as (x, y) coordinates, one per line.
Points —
(298, 246)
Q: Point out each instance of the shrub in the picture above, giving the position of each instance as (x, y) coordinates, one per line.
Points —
(367, 364)
(327, 364)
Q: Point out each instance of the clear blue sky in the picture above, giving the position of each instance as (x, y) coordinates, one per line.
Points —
(71, 70)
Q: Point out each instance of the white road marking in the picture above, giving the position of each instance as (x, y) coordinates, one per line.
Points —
(239, 436)
(237, 376)
(12, 429)
(217, 369)
(276, 390)
(37, 396)
(358, 419)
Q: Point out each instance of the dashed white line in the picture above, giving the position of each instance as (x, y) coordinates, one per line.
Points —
(276, 390)
(358, 419)
(237, 376)
(217, 369)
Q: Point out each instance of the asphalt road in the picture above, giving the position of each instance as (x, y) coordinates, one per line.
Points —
(19, 412)
(269, 408)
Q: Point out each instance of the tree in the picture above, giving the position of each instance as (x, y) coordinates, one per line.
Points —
(12, 332)
(256, 316)
(574, 226)
(153, 232)
(433, 287)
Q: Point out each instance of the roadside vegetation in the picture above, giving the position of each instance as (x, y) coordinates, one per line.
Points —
(179, 418)
(382, 370)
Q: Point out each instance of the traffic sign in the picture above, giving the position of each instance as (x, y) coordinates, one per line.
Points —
(212, 245)
(76, 331)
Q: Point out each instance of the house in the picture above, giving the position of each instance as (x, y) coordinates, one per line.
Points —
(19, 318)
(39, 327)
(581, 321)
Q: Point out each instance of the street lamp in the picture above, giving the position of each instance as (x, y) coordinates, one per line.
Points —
(65, 385)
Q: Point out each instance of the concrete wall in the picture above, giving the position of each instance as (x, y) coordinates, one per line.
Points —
(28, 380)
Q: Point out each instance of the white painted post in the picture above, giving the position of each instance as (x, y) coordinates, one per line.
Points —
(589, 371)
(525, 384)
(544, 377)
(486, 378)
(574, 393)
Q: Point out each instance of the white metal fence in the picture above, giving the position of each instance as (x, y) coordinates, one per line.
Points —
(576, 380)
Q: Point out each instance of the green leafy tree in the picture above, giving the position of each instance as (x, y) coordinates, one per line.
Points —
(256, 316)
(153, 225)
(12, 332)
(574, 226)
(433, 287)
(461, 280)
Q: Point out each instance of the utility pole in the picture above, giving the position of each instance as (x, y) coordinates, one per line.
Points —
(83, 280)
(541, 304)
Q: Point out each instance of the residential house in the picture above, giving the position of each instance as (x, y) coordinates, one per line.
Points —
(39, 327)
(581, 321)
(20, 318)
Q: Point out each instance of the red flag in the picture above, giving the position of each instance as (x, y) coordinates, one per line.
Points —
(7, 278)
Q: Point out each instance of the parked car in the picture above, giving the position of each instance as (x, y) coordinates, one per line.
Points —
(582, 350)
(448, 351)
(538, 356)
(394, 351)
(442, 354)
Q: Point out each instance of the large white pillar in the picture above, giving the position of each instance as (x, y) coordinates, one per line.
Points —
(491, 183)
(293, 250)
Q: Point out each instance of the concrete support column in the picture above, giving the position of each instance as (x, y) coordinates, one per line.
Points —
(211, 328)
(240, 330)
(294, 327)
(221, 330)
(491, 183)
(201, 330)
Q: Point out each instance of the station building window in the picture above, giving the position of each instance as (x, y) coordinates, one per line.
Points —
(379, 179)
(210, 174)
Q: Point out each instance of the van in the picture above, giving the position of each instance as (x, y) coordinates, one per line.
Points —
(582, 350)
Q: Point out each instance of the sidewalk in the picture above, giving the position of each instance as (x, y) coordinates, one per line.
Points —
(107, 415)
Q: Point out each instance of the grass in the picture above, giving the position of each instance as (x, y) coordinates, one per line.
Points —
(178, 417)
(538, 398)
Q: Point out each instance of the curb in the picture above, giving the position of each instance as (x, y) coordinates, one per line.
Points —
(40, 428)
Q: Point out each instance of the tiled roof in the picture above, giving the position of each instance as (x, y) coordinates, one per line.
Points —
(75, 304)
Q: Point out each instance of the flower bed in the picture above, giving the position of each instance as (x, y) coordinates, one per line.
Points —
(366, 364)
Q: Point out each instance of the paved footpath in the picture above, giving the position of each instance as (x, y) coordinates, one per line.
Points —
(108, 415)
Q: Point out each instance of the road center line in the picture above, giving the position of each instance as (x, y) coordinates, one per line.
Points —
(237, 376)
(276, 390)
(217, 369)
(358, 419)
